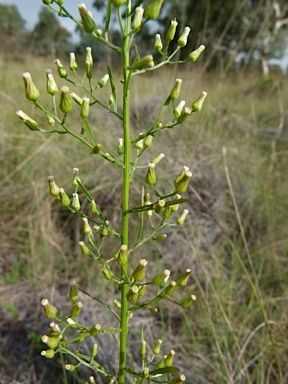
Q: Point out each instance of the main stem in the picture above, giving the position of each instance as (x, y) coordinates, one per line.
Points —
(125, 192)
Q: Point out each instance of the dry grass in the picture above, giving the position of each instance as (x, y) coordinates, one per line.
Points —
(237, 330)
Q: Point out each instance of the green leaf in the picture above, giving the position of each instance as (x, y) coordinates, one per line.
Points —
(87, 129)
(113, 88)
(162, 371)
(150, 207)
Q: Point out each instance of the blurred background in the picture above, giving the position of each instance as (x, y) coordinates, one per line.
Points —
(235, 237)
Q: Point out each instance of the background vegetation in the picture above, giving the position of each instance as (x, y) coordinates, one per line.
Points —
(236, 242)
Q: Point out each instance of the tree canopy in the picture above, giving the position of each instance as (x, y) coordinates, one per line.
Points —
(48, 36)
(12, 27)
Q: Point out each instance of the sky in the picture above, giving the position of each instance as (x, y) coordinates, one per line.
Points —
(29, 10)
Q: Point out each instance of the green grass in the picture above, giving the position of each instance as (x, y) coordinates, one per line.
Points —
(236, 332)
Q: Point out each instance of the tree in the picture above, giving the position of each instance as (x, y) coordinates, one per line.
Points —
(49, 38)
(229, 29)
(12, 28)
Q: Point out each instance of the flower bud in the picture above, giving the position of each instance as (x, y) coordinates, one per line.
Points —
(167, 291)
(183, 116)
(117, 304)
(139, 272)
(49, 353)
(182, 41)
(86, 18)
(161, 278)
(157, 347)
(138, 16)
(153, 9)
(76, 177)
(181, 174)
(143, 349)
(84, 249)
(167, 212)
(107, 273)
(53, 187)
(168, 361)
(96, 149)
(182, 281)
(175, 207)
(61, 70)
(158, 43)
(51, 342)
(152, 310)
(54, 330)
(47, 2)
(117, 3)
(181, 219)
(194, 55)
(94, 351)
(73, 63)
(148, 141)
(178, 109)
(65, 100)
(139, 144)
(197, 105)
(84, 111)
(75, 201)
(76, 98)
(162, 237)
(51, 85)
(132, 294)
(87, 230)
(73, 292)
(64, 198)
(76, 309)
(50, 120)
(120, 149)
(70, 367)
(147, 61)
(31, 91)
(95, 329)
(161, 363)
(142, 290)
(88, 63)
(102, 82)
(30, 123)
(94, 209)
(151, 175)
(181, 184)
(178, 380)
(149, 213)
(147, 198)
(159, 206)
(158, 159)
(71, 322)
(171, 30)
(49, 310)
(175, 93)
(112, 102)
(122, 255)
(187, 302)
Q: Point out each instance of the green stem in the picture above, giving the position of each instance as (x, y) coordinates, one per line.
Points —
(125, 196)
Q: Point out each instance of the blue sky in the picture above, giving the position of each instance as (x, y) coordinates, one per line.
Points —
(29, 10)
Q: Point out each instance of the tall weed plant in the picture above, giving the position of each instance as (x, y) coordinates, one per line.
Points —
(158, 208)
